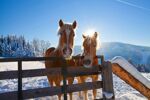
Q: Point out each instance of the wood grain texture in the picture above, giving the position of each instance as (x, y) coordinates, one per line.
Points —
(131, 80)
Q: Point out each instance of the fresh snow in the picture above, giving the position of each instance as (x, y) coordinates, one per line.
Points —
(128, 96)
(108, 95)
(122, 90)
(25, 65)
(131, 69)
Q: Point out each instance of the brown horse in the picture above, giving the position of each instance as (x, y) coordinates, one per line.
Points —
(64, 49)
(89, 59)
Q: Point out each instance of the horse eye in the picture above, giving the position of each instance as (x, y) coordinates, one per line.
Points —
(60, 33)
(94, 45)
(73, 34)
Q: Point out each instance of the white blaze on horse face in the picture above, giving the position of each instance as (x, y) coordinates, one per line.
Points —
(67, 34)
(67, 31)
(89, 41)
(89, 55)
(67, 44)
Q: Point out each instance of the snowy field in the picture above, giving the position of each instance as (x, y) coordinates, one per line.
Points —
(122, 90)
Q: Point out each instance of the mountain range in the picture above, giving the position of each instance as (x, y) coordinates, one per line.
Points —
(137, 55)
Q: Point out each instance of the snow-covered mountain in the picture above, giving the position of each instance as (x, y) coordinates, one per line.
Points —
(137, 55)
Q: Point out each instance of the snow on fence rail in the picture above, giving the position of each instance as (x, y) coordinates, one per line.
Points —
(66, 71)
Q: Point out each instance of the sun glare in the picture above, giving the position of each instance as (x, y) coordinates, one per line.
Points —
(89, 32)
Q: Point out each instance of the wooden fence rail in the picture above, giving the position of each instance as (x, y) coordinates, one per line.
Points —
(71, 72)
(50, 91)
(66, 71)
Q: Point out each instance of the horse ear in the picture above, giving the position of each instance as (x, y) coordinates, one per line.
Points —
(61, 23)
(74, 24)
(83, 36)
(95, 34)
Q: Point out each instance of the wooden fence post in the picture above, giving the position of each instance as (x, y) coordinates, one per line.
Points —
(19, 80)
(108, 91)
(64, 74)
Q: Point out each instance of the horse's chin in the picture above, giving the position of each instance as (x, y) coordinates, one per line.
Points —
(87, 66)
(67, 57)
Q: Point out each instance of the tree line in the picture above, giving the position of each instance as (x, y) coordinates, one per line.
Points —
(18, 46)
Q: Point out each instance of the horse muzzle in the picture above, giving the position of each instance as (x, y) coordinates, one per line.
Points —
(67, 52)
(87, 63)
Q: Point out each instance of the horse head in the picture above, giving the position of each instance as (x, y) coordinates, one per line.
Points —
(66, 41)
(89, 49)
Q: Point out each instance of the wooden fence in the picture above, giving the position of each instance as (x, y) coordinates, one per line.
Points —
(104, 69)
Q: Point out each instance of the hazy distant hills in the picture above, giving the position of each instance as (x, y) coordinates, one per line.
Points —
(136, 54)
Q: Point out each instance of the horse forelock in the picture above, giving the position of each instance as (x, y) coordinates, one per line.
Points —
(88, 44)
(89, 40)
(67, 34)
(64, 28)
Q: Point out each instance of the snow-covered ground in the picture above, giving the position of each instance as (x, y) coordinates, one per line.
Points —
(122, 90)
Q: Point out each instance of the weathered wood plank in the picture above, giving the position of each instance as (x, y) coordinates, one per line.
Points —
(129, 79)
(107, 81)
(15, 59)
(20, 80)
(64, 74)
(9, 95)
(71, 71)
(50, 91)
(8, 75)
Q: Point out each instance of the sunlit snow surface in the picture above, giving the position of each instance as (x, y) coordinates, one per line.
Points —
(122, 90)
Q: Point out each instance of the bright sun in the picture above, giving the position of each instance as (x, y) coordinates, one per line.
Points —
(89, 32)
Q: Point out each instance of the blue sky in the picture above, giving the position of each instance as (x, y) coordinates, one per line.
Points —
(125, 21)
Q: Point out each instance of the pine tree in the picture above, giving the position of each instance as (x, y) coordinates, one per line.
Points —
(13, 46)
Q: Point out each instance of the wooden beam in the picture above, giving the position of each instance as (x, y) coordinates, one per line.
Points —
(107, 81)
(50, 91)
(9, 95)
(131, 80)
(15, 59)
(20, 80)
(71, 72)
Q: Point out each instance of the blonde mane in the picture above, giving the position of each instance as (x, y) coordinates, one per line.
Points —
(65, 26)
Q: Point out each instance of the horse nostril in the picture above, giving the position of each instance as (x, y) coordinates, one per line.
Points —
(70, 50)
(87, 62)
(64, 50)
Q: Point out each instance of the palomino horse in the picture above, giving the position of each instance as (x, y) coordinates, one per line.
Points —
(89, 59)
(64, 49)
